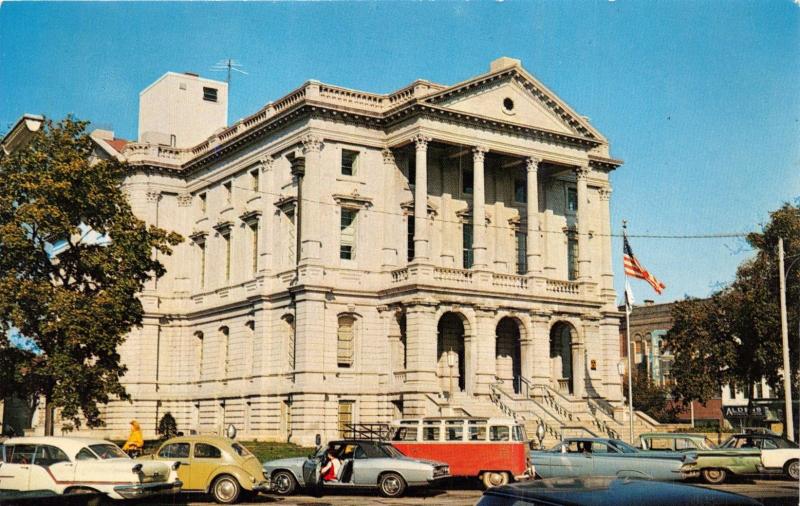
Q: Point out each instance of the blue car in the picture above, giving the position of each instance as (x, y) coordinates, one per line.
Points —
(581, 457)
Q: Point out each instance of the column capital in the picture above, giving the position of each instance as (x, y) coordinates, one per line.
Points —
(153, 196)
(311, 143)
(532, 163)
(479, 153)
(388, 156)
(582, 172)
(421, 142)
(605, 193)
(266, 163)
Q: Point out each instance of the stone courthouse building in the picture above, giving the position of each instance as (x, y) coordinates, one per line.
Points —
(356, 257)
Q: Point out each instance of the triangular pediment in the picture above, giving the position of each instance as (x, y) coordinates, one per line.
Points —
(513, 96)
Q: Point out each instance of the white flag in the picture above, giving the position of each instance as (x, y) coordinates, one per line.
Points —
(629, 300)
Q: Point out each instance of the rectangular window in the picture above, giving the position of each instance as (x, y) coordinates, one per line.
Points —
(572, 257)
(344, 342)
(254, 245)
(412, 169)
(228, 187)
(454, 432)
(572, 200)
(345, 416)
(430, 432)
(254, 175)
(466, 181)
(209, 94)
(202, 200)
(202, 246)
(498, 433)
(477, 431)
(467, 245)
(522, 252)
(349, 162)
(520, 191)
(410, 238)
(227, 238)
(347, 234)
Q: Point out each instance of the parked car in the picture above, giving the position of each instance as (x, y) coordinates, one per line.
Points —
(778, 454)
(577, 457)
(365, 464)
(78, 465)
(739, 455)
(674, 441)
(607, 491)
(495, 450)
(213, 464)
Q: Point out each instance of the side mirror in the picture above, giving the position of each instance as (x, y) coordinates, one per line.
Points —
(318, 440)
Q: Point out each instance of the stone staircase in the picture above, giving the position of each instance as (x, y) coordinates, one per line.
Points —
(561, 416)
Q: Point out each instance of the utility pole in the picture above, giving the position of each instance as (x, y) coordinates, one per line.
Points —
(787, 374)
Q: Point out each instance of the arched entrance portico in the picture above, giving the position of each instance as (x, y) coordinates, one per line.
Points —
(450, 357)
(508, 356)
(562, 336)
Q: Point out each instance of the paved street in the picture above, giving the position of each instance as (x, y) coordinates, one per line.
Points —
(769, 492)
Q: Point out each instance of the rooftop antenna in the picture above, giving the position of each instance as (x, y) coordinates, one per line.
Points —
(228, 65)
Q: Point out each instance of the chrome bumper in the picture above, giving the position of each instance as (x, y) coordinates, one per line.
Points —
(148, 489)
(264, 486)
(529, 474)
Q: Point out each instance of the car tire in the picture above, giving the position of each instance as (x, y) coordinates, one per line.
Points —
(714, 476)
(493, 479)
(792, 469)
(226, 489)
(283, 483)
(392, 485)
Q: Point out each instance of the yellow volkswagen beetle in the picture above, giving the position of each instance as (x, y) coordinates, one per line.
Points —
(216, 465)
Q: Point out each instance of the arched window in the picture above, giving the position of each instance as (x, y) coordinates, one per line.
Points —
(289, 338)
(344, 341)
(198, 366)
(249, 348)
(224, 344)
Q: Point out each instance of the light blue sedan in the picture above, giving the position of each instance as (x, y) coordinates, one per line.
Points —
(576, 457)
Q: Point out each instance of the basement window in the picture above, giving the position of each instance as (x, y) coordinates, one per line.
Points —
(209, 94)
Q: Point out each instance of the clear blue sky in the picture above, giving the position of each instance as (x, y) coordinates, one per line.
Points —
(701, 99)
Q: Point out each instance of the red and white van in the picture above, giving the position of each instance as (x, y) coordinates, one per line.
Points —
(495, 450)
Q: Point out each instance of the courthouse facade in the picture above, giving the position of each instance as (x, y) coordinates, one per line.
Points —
(355, 257)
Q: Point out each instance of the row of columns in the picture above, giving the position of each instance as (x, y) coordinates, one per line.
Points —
(533, 253)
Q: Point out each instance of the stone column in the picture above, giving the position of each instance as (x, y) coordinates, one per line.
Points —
(607, 284)
(540, 328)
(478, 209)
(421, 357)
(578, 365)
(268, 231)
(390, 209)
(421, 199)
(532, 214)
(584, 256)
(485, 342)
(311, 241)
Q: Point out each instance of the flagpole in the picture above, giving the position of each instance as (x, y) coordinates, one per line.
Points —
(630, 351)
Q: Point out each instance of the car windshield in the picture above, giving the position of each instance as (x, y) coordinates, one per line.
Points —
(784, 443)
(241, 450)
(623, 446)
(108, 451)
(391, 451)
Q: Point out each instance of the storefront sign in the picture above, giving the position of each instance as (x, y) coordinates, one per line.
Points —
(741, 412)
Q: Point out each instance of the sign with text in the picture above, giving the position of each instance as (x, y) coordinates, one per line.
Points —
(742, 412)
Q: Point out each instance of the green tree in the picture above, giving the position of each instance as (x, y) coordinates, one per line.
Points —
(74, 307)
(167, 427)
(733, 337)
(649, 397)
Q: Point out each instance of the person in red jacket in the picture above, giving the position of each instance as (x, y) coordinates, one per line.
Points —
(330, 470)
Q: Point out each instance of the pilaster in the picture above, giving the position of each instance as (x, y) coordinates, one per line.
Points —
(484, 344)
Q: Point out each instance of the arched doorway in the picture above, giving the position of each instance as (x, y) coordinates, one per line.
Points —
(561, 339)
(508, 363)
(450, 353)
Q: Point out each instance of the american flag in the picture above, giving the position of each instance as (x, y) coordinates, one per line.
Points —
(634, 269)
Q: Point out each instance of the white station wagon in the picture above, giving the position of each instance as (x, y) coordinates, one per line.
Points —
(67, 465)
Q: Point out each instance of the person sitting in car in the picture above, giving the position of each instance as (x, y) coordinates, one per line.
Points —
(330, 470)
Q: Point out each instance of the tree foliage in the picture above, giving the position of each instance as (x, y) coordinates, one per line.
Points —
(734, 336)
(649, 397)
(167, 427)
(74, 308)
